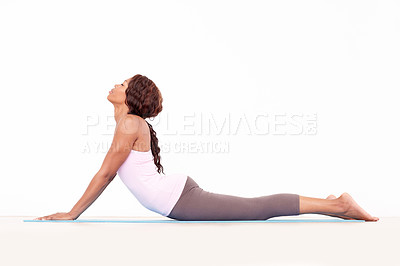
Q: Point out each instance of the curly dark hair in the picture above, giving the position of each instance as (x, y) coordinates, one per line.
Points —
(144, 99)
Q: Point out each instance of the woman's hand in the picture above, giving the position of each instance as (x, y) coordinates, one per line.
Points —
(58, 216)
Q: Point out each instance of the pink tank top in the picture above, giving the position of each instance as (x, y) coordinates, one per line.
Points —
(156, 192)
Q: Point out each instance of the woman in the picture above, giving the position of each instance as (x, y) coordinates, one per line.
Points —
(135, 155)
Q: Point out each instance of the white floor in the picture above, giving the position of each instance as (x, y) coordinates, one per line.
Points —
(360, 243)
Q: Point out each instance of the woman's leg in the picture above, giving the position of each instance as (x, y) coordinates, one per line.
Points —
(318, 206)
(198, 204)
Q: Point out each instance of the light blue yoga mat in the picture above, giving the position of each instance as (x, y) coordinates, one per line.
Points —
(176, 221)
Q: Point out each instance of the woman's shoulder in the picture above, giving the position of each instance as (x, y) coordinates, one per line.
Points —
(134, 117)
(129, 123)
(130, 118)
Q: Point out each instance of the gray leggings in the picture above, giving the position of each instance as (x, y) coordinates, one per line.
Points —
(200, 205)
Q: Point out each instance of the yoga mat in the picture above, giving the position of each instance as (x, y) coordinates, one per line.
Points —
(176, 221)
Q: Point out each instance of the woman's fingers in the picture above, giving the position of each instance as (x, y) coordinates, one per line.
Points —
(43, 218)
(57, 216)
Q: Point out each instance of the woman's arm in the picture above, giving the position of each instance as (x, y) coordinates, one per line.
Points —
(94, 190)
(125, 135)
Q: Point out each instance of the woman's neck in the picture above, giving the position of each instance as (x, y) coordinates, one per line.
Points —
(120, 111)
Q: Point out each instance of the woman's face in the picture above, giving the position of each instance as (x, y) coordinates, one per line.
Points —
(117, 94)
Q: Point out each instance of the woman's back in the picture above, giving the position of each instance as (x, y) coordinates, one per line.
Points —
(143, 141)
(154, 191)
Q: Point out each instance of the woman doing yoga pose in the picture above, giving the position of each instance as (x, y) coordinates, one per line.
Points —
(134, 154)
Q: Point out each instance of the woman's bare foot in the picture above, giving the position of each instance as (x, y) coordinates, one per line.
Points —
(331, 197)
(352, 210)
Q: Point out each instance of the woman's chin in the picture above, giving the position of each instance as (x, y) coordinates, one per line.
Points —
(109, 98)
(113, 99)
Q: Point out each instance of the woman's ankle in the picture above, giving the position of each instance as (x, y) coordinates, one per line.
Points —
(342, 204)
(317, 205)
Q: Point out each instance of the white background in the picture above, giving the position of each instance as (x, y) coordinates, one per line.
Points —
(337, 60)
